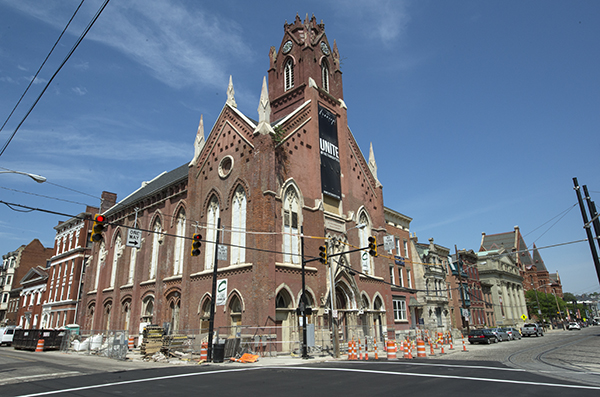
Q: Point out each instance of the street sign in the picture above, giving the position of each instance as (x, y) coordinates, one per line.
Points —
(388, 243)
(134, 238)
(524, 317)
(222, 253)
(221, 292)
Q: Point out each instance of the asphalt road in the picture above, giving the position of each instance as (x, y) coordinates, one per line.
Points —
(559, 364)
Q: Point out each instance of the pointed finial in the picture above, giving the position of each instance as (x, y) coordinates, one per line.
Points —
(264, 111)
(198, 142)
(230, 94)
(373, 164)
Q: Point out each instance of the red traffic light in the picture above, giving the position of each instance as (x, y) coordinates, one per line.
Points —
(100, 218)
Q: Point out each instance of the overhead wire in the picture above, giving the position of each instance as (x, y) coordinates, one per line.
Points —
(79, 40)
(42, 65)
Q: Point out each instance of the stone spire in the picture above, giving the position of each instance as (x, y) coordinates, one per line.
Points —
(199, 142)
(264, 112)
(230, 94)
(373, 164)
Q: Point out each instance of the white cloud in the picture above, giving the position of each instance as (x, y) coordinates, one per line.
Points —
(38, 80)
(79, 90)
(179, 44)
(8, 79)
(383, 19)
(23, 68)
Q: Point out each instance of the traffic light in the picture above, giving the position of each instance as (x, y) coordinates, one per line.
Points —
(98, 227)
(373, 246)
(196, 244)
(323, 254)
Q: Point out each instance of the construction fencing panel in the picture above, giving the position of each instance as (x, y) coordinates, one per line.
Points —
(112, 344)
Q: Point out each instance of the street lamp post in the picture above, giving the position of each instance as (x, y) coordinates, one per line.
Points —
(37, 178)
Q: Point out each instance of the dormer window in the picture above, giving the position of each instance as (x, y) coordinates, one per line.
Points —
(289, 74)
(325, 75)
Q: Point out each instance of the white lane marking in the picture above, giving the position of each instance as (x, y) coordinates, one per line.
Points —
(440, 365)
(518, 382)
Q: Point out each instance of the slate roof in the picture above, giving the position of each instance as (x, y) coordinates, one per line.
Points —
(537, 259)
(155, 185)
(507, 240)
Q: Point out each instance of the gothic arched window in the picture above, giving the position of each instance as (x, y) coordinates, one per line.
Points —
(155, 245)
(291, 238)
(289, 74)
(238, 226)
(116, 255)
(179, 243)
(325, 75)
(212, 215)
(363, 234)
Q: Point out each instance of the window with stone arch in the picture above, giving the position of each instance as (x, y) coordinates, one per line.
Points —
(363, 235)
(99, 263)
(156, 234)
(235, 313)
(147, 309)
(179, 243)
(238, 226)
(126, 313)
(325, 74)
(116, 255)
(212, 216)
(291, 226)
(289, 74)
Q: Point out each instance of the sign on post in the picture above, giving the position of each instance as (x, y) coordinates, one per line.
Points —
(221, 292)
(222, 253)
(388, 242)
(134, 238)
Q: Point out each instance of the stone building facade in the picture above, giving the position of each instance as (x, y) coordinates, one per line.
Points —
(271, 191)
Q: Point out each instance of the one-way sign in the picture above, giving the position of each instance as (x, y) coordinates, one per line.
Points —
(134, 238)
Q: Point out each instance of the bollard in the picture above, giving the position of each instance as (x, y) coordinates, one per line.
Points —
(431, 348)
(375, 346)
(40, 346)
(360, 356)
(366, 349)
(464, 346)
(391, 350)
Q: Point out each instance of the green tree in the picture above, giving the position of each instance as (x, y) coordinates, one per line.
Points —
(547, 305)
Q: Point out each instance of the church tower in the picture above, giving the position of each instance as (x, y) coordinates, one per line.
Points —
(305, 58)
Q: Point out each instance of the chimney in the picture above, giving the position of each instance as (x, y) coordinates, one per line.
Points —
(108, 200)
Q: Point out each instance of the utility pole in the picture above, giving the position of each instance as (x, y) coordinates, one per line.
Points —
(586, 226)
(211, 324)
(593, 213)
(462, 291)
(303, 297)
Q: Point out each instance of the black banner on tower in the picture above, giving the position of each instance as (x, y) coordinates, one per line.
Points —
(330, 154)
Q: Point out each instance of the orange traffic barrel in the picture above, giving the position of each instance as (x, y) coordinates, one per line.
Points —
(421, 348)
(40, 346)
(204, 351)
(391, 349)
(130, 343)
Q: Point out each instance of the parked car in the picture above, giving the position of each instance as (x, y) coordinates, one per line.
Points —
(532, 329)
(482, 336)
(573, 326)
(513, 333)
(6, 334)
(500, 334)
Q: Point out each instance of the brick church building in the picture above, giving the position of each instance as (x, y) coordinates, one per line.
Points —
(297, 170)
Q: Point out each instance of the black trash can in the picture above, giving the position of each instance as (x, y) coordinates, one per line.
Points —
(218, 353)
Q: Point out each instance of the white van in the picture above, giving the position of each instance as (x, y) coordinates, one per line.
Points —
(6, 334)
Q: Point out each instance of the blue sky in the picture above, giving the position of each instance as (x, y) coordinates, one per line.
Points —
(480, 112)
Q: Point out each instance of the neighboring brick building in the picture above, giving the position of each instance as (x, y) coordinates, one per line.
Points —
(267, 183)
(33, 292)
(15, 265)
(72, 247)
(468, 297)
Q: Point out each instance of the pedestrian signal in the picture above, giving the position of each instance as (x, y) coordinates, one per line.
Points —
(196, 244)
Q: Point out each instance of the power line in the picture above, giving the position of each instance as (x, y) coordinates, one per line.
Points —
(41, 195)
(87, 29)
(41, 66)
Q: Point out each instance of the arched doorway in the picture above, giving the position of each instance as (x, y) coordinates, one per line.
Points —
(283, 320)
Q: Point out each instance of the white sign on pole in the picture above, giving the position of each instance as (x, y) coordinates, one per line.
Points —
(134, 238)
(334, 314)
(221, 292)
(388, 243)
(222, 253)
